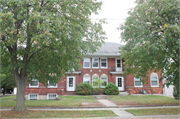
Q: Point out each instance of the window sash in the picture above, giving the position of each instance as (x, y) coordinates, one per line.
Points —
(51, 96)
(33, 96)
(95, 62)
(118, 63)
(104, 79)
(154, 81)
(52, 85)
(86, 62)
(103, 63)
(86, 80)
(137, 82)
(34, 83)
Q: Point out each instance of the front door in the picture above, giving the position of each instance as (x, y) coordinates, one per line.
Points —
(70, 83)
(120, 83)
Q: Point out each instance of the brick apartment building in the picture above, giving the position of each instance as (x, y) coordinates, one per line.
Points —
(106, 64)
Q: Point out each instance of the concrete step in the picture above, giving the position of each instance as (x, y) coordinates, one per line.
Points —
(123, 93)
(100, 97)
(70, 93)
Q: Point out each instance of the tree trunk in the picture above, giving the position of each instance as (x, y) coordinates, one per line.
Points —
(20, 101)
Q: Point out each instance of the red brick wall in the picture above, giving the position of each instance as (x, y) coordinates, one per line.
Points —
(128, 80)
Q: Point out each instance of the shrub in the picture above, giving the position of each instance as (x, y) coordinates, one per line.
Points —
(84, 89)
(111, 89)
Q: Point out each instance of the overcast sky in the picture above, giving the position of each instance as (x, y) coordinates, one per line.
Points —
(116, 12)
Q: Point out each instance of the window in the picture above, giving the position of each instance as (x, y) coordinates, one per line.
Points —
(137, 82)
(51, 85)
(104, 79)
(86, 62)
(33, 96)
(51, 96)
(34, 83)
(95, 63)
(86, 78)
(118, 63)
(154, 80)
(94, 78)
(103, 63)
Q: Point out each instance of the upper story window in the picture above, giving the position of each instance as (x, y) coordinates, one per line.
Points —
(103, 62)
(95, 77)
(104, 79)
(95, 62)
(154, 80)
(118, 65)
(34, 83)
(52, 85)
(87, 63)
(86, 78)
(137, 82)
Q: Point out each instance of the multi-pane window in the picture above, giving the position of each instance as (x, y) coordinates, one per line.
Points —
(51, 96)
(52, 85)
(34, 83)
(95, 77)
(33, 96)
(137, 82)
(104, 80)
(87, 63)
(103, 63)
(154, 80)
(118, 63)
(95, 62)
(86, 78)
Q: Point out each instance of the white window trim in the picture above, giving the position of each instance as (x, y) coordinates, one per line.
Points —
(32, 93)
(34, 86)
(89, 63)
(157, 81)
(116, 62)
(106, 63)
(89, 80)
(92, 63)
(52, 86)
(51, 93)
(138, 86)
(106, 85)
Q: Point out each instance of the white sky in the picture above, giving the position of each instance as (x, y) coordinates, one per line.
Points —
(115, 11)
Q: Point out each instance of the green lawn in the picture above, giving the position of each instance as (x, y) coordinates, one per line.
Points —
(143, 100)
(161, 111)
(57, 114)
(64, 101)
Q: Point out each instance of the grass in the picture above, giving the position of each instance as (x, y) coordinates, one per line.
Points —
(64, 101)
(161, 111)
(144, 99)
(57, 114)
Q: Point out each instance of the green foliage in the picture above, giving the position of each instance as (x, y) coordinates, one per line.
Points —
(151, 33)
(176, 92)
(45, 37)
(111, 89)
(84, 89)
(97, 84)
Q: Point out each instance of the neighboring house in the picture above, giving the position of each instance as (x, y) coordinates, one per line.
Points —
(168, 90)
(106, 64)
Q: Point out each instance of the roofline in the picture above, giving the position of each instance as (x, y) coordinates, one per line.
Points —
(103, 54)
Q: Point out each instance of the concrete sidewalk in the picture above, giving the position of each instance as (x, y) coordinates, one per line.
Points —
(120, 112)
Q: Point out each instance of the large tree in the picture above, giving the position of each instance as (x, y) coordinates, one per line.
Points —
(45, 37)
(151, 33)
